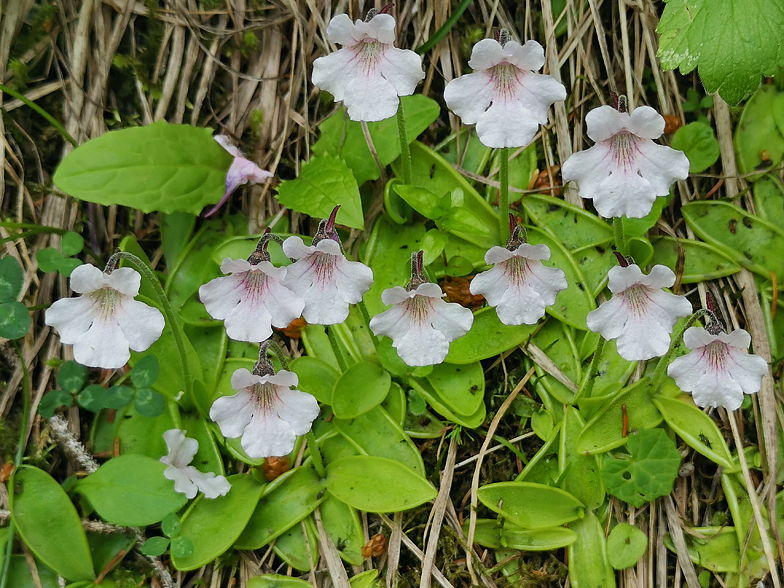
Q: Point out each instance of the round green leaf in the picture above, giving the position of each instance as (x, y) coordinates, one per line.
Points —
(118, 397)
(461, 387)
(14, 320)
(625, 546)
(170, 525)
(213, 525)
(149, 403)
(11, 278)
(49, 259)
(49, 524)
(362, 387)
(131, 490)
(53, 400)
(699, 144)
(155, 546)
(277, 581)
(91, 398)
(145, 371)
(72, 376)
(529, 505)
(316, 377)
(377, 484)
(72, 243)
(181, 547)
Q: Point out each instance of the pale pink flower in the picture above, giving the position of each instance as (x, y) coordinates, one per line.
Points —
(266, 412)
(241, 171)
(719, 369)
(187, 479)
(105, 323)
(625, 170)
(503, 96)
(420, 324)
(368, 74)
(640, 314)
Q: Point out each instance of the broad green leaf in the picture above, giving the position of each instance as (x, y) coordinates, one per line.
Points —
(699, 144)
(72, 243)
(145, 372)
(571, 225)
(285, 502)
(316, 377)
(376, 433)
(14, 320)
(588, 564)
(213, 525)
(395, 403)
(11, 279)
(336, 446)
(769, 199)
(426, 391)
(461, 387)
(49, 524)
(342, 524)
(747, 239)
(142, 435)
(531, 506)
(324, 183)
(639, 227)
(558, 343)
(53, 400)
(131, 490)
(364, 579)
(626, 545)
(494, 534)
(605, 429)
(341, 137)
(277, 581)
(155, 546)
(732, 42)
(712, 548)
(488, 337)
(19, 575)
(108, 550)
(701, 261)
(164, 167)
(543, 460)
(581, 474)
(697, 429)
(648, 473)
(377, 484)
(72, 376)
(291, 546)
(361, 388)
(176, 230)
(757, 132)
(595, 261)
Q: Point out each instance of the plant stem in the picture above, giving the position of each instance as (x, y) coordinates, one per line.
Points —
(40, 111)
(318, 462)
(503, 198)
(366, 316)
(333, 340)
(661, 367)
(620, 236)
(168, 313)
(278, 352)
(20, 450)
(405, 152)
(587, 385)
(39, 228)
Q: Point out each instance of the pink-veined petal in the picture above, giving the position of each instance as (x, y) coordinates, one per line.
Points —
(370, 98)
(469, 95)
(103, 345)
(141, 324)
(402, 69)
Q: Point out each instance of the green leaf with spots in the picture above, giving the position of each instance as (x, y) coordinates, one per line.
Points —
(757, 134)
(701, 261)
(625, 546)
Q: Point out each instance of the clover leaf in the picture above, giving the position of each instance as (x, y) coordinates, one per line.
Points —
(52, 260)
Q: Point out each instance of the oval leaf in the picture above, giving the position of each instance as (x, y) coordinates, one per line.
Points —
(588, 564)
(531, 506)
(461, 387)
(488, 337)
(361, 388)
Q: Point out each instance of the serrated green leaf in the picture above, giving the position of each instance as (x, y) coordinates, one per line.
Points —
(324, 183)
(625, 546)
(699, 144)
(731, 41)
(650, 471)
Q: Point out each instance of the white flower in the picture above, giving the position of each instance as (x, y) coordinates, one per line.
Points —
(105, 322)
(719, 369)
(326, 280)
(504, 97)
(640, 314)
(420, 324)
(519, 285)
(265, 412)
(625, 170)
(368, 73)
(251, 299)
(187, 479)
(240, 172)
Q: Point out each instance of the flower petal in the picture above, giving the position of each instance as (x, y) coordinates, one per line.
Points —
(211, 485)
(604, 122)
(268, 436)
(141, 324)
(403, 69)
(181, 449)
(506, 124)
(103, 345)
(486, 54)
(341, 30)
(87, 278)
(645, 122)
(451, 319)
(370, 98)
(299, 409)
(125, 280)
(469, 95)
(529, 56)
(232, 413)
(71, 317)
(182, 482)
(333, 72)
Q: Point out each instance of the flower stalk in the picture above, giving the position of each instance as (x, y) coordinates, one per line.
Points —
(503, 198)
(405, 152)
(620, 236)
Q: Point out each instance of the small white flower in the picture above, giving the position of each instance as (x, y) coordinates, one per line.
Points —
(519, 285)
(504, 97)
(326, 280)
(420, 324)
(640, 313)
(105, 322)
(240, 172)
(251, 299)
(719, 369)
(368, 73)
(266, 412)
(625, 170)
(187, 479)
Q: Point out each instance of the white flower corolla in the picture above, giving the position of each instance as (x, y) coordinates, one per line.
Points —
(640, 314)
(503, 97)
(187, 479)
(251, 299)
(240, 172)
(325, 279)
(421, 324)
(368, 74)
(266, 412)
(719, 369)
(105, 322)
(625, 170)
(519, 285)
